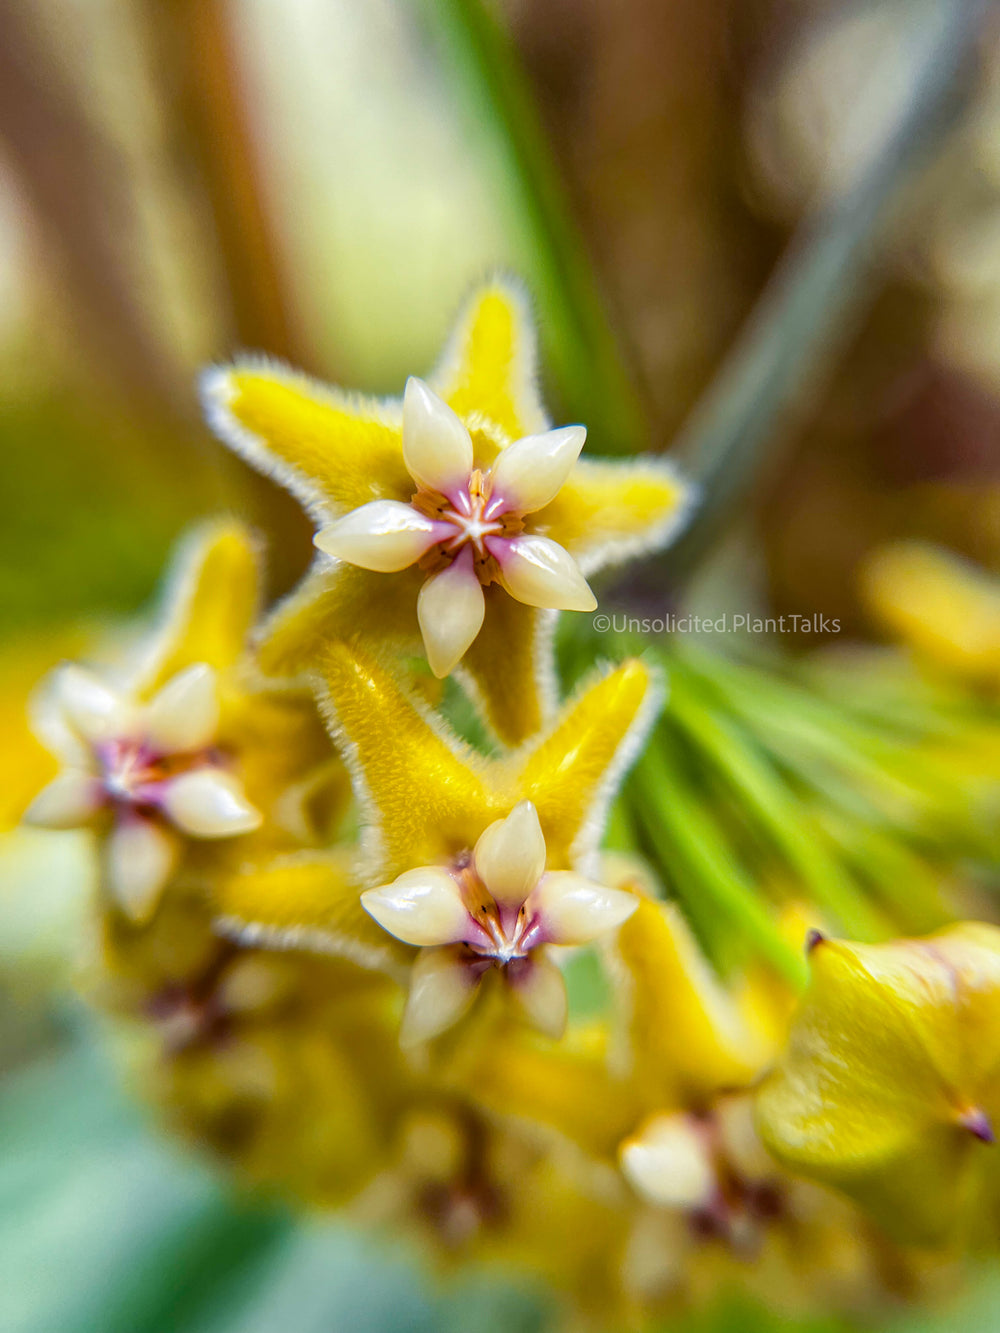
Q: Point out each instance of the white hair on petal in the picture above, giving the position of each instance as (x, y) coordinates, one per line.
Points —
(309, 939)
(584, 853)
(524, 372)
(617, 550)
(370, 867)
(216, 392)
(178, 587)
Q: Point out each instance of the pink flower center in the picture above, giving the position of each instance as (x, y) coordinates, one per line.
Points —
(133, 773)
(471, 516)
(497, 934)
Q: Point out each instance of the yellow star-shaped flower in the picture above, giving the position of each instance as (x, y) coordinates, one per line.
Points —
(455, 516)
(178, 757)
(470, 855)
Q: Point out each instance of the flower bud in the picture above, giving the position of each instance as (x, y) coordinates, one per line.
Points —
(890, 1085)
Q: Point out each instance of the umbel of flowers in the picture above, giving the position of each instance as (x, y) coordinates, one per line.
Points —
(345, 934)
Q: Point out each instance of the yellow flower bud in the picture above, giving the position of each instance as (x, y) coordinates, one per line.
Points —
(890, 1085)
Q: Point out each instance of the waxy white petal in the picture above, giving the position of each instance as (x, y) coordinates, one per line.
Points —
(441, 990)
(669, 1163)
(540, 572)
(575, 910)
(209, 803)
(141, 857)
(532, 471)
(385, 536)
(451, 608)
(69, 800)
(539, 992)
(184, 714)
(437, 448)
(421, 907)
(93, 709)
(510, 855)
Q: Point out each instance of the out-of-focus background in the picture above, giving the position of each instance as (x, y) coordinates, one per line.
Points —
(323, 180)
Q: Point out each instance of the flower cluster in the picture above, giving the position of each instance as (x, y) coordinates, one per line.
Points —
(351, 940)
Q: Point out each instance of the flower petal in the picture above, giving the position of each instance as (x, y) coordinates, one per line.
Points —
(209, 803)
(437, 448)
(541, 573)
(442, 988)
(491, 364)
(305, 899)
(572, 771)
(539, 992)
(531, 472)
(668, 1163)
(385, 536)
(450, 608)
(68, 801)
(211, 599)
(510, 855)
(140, 859)
(510, 668)
(184, 714)
(94, 710)
(422, 907)
(575, 910)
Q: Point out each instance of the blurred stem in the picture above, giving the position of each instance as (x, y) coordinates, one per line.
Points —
(814, 300)
(201, 86)
(583, 349)
(77, 194)
(201, 89)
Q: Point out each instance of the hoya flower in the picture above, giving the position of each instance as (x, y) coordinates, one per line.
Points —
(455, 517)
(498, 908)
(479, 863)
(179, 754)
(467, 528)
(150, 767)
(890, 1086)
(710, 1166)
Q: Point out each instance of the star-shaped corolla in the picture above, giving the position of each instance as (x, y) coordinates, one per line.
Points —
(177, 752)
(890, 1086)
(467, 528)
(498, 909)
(480, 863)
(456, 516)
(151, 767)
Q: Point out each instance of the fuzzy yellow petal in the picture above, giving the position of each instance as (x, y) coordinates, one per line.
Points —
(508, 664)
(490, 366)
(424, 793)
(426, 797)
(282, 743)
(563, 1085)
(332, 450)
(211, 598)
(305, 900)
(890, 1087)
(569, 773)
(334, 603)
(610, 511)
(685, 1037)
